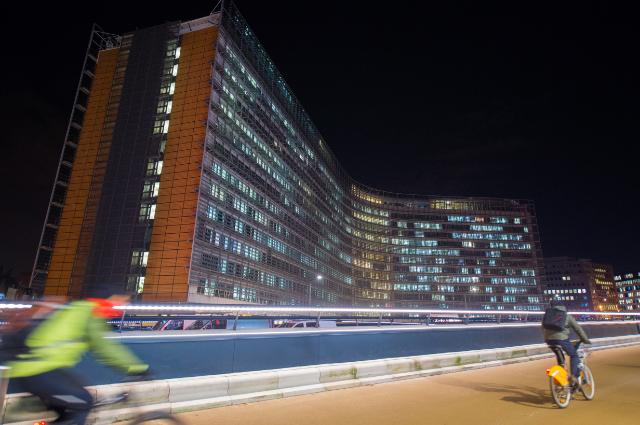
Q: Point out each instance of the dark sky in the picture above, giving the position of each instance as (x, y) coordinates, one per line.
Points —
(523, 100)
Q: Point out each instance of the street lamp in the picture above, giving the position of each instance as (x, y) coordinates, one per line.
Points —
(472, 290)
(318, 278)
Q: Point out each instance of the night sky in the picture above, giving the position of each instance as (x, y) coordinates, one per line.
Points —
(520, 100)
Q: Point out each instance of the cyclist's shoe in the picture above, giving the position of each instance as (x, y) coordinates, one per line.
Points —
(574, 383)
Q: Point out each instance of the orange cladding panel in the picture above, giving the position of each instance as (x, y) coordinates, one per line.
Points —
(73, 213)
(173, 227)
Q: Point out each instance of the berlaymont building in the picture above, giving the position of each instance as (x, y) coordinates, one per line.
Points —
(190, 172)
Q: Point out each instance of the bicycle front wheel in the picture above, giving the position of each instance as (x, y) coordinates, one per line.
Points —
(588, 387)
(156, 418)
(561, 395)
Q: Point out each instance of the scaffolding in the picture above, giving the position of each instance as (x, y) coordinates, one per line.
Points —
(99, 40)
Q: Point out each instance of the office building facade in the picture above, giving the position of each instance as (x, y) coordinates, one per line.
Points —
(580, 283)
(196, 175)
(628, 288)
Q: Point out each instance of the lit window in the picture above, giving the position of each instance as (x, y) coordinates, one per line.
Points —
(169, 106)
(172, 88)
(154, 167)
(147, 212)
(165, 127)
(174, 71)
(150, 189)
(139, 258)
(177, 52)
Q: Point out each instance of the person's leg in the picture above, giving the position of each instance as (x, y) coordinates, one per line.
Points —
(568, 347)
(557, 350)
(62, 392)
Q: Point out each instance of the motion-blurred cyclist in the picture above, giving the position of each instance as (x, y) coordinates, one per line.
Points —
(58, 344)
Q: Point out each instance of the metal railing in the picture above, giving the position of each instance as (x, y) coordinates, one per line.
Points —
(354, 315)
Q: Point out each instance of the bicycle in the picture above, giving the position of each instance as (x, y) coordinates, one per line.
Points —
(100, 412)
(561, 389)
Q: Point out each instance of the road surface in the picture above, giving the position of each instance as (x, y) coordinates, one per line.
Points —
(505, 395)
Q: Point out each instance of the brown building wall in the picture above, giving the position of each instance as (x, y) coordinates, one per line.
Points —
(73, 214)
(173, 228)
(99, 169)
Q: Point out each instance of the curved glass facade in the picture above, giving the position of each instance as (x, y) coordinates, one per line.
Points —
(280, 222)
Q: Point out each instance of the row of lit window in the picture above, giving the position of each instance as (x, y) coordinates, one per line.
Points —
(487, 236)
(565, 291)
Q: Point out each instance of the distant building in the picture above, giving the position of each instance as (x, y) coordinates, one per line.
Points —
(581, 283)
(628, 288)
(603, 290)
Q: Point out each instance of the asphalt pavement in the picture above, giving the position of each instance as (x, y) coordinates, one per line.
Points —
(504, 395)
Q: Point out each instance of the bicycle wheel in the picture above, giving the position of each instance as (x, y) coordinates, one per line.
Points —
(561, 395)
(588, 387)
(156, 418)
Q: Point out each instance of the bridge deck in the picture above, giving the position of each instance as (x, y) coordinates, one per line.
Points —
(503, 395)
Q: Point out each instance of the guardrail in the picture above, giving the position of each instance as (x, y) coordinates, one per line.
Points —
(426, 316)
(377, 315)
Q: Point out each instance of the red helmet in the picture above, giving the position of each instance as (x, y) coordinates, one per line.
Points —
(104, 308)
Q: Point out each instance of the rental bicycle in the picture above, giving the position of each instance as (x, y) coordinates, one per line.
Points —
(561, 389)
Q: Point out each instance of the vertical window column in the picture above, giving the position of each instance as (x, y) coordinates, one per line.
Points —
(151, 188)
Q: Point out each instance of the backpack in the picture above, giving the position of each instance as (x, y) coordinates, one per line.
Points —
(554, 319)
(15, 331)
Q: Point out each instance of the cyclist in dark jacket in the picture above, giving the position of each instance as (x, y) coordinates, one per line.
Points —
(561, 338)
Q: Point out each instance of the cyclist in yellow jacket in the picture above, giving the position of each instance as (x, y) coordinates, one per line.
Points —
(58, 344)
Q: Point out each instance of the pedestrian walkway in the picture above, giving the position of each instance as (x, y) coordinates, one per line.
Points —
(505, 395)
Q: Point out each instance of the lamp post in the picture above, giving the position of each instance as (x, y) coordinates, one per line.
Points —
(318, 278)
(472, 290)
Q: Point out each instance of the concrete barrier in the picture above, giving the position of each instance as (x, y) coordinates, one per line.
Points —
(185, 354)
(197, 393)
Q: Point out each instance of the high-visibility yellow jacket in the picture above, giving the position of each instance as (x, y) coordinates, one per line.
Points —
(61, 340)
